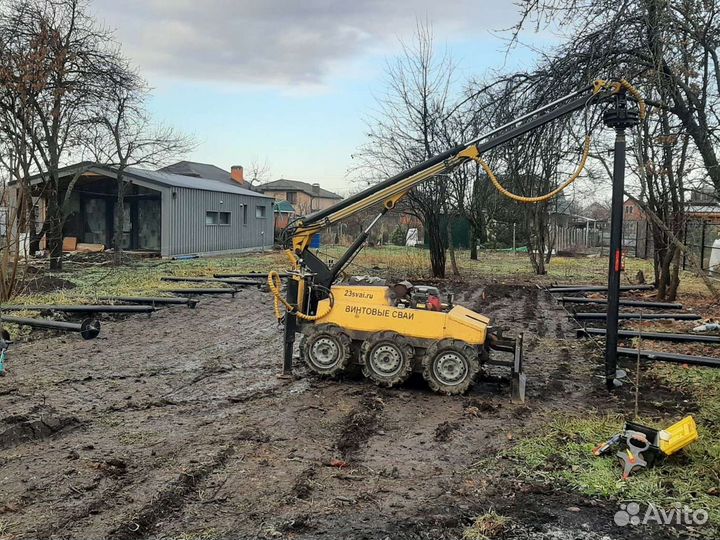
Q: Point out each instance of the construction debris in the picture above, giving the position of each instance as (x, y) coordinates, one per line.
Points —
(707, 327)
(69, 244)
(90, 248)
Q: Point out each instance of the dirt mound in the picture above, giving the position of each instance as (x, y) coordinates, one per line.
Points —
(43, 283)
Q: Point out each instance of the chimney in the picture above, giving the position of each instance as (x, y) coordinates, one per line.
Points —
(236, 173)
(316, 189)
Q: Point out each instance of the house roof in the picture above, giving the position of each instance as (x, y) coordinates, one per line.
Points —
(159, 178)
(191, 182)
(199, 170)
(295, 185)
(283, 207)
(702, 209)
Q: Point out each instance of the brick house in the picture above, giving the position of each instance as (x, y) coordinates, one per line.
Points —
(305, 198)
(632, 211)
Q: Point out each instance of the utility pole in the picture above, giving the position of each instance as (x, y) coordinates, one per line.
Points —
(618, 117)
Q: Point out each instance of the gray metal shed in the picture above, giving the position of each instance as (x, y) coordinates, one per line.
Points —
(207, 217)
(169, 213)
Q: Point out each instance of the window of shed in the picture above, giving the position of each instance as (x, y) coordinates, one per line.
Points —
(259, 211)
(211, 218)
(224, 218)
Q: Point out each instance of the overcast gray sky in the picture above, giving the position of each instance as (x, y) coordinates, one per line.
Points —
(249, 76)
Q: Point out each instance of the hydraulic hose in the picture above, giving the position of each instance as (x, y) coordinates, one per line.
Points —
(275, 286)
(642, 110)
(539, 198)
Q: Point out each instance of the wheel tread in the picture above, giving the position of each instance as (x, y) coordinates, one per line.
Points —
(345, 348)
(458, 346)
(405, 348)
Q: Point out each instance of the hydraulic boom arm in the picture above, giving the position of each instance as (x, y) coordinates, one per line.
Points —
(392, 190)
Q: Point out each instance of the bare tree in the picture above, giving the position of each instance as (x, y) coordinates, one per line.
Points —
(531, 165)
(669, 48)
(65, 64)
(122, 135)
(668, 45)
(408, 128)
(259, 172)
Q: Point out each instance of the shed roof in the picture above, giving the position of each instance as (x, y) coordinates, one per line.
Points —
(159, 178)
(283, 184)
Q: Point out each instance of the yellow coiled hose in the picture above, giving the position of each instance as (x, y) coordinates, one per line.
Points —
(539, 198)
(275, 286)
(634, 92)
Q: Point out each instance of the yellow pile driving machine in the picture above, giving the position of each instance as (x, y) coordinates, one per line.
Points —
(393, 332)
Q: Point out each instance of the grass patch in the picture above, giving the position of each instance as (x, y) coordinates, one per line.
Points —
(415, 262)
(144, 277)
(562, 454)
(487, 526)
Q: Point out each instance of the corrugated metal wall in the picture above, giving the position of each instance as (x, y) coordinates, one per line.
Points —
(186, 231)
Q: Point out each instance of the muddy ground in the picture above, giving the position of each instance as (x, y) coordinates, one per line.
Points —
(176, 426)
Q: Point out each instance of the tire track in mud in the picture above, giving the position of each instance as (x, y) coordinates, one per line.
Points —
(22, 428)
(360, 423)
(168, 501)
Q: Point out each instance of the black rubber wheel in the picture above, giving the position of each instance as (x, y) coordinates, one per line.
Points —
(326, 349)
(386, 358)
(450, 366)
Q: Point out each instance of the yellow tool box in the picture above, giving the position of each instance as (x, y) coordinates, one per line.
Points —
(641, 446)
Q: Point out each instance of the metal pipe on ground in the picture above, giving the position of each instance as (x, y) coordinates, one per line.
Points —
(671, 357)
(657, 336)
(645, 316)
(80, 308)
(248, 275)
(223, 290)
(598, 288)
(151, 300)
(194, 279)
(88, 329)
(635, 303)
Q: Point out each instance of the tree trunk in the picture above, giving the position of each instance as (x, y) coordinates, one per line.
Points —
(119, 222)
(473, 243)
(451, 247)
(537, 236)
(436, 243)
(482, 230)
(674, 277)
(54, 229)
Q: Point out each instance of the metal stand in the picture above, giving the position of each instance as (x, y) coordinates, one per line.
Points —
(619, 117)
(290, 327)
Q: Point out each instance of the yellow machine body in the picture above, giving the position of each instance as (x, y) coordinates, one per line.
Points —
(677, 436)
(370, 309)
